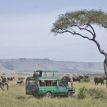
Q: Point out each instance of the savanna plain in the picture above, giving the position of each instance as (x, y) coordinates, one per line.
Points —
(86, 95)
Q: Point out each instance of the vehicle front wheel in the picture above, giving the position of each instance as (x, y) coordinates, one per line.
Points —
(48, 95)
(69, 94)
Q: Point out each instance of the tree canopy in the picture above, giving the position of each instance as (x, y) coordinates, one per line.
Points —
(82, 17)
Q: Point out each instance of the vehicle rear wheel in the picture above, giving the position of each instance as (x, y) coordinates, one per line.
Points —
(48, 95)
(69, 94)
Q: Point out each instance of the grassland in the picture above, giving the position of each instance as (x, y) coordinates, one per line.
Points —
(15, 97)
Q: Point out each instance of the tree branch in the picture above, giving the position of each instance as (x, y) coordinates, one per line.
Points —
(94, 34)
(93, 39)
(73, 33)
(84, 28)
(99, 47)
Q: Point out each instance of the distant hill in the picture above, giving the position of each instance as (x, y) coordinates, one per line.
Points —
(29, 65)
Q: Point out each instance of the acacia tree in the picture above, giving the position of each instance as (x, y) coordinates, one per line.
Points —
(81, 23)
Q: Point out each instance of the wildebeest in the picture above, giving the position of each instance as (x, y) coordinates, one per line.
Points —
(80, 77)
(20, 82)
(10, 78)
(66, 79)
(76, 78)
(3, 82)
(98, 80)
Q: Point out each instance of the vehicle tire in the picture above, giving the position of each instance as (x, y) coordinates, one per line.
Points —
(69, 94)
(48, 95)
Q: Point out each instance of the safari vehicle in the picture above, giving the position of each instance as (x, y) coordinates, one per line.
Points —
(47, 86)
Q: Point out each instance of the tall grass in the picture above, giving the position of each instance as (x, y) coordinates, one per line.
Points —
(15, 97)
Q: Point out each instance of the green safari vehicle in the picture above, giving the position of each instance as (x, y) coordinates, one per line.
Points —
(47, 86)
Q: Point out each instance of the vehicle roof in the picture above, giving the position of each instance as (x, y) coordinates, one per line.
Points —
(46, 71)
(48, 78)
(44, 78)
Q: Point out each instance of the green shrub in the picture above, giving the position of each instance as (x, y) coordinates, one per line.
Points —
(82, 93)
(91, 91)
(97, 93)
(94, 93)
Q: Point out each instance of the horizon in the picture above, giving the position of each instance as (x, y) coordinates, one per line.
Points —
(47, 59)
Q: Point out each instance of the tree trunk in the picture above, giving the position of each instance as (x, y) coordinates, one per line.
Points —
(105, 68)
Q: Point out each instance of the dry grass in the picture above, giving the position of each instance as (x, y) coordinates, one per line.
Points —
(15, 97)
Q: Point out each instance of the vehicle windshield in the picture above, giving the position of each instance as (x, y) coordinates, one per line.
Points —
(48, 82)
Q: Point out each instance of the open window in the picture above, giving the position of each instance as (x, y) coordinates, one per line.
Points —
(60, 84)
(48, 82)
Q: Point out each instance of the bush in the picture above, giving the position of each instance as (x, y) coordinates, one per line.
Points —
(91, 92)
(82, 93)
(97, 93)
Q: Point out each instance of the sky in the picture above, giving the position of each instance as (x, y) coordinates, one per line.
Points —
(25, 31)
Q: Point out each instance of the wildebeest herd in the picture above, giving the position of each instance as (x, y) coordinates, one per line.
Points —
(80, 77)
(65, 79)
(97, 79)
(5, 80)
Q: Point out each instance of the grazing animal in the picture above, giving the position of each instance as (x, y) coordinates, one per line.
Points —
(98, 80)
(80, 77)
(66, 79)
(3, 82)
(76, 79)
(10, 78)
(20, 82)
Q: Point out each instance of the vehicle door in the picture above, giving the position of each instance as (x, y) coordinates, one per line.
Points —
(62, 89)
(47, 86)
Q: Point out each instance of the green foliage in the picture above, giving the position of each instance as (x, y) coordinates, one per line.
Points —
(82, 93)
(97, 93)
(92, 92)
(70, 19)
